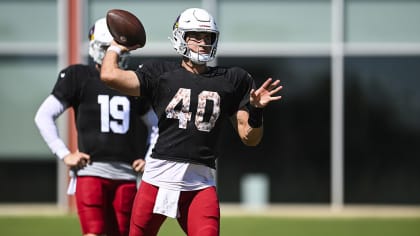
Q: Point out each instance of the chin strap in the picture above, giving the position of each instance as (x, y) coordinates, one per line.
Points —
(198, 58)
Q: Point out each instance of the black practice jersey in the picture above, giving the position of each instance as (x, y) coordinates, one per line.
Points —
(191, 108)
(107, 121)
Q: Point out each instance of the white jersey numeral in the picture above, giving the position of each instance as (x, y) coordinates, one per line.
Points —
(183, 114)
(118, 109)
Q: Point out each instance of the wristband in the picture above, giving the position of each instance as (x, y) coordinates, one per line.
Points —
(255, 119)
(115, 48)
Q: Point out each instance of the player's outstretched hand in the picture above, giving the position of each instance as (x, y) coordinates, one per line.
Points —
(138, 165)
(261, 97)
(77, 160)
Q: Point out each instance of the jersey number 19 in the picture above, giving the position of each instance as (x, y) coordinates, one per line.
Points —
(118, 109)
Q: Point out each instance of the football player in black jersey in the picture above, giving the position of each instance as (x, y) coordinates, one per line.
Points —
(191, 100)
(109, 135)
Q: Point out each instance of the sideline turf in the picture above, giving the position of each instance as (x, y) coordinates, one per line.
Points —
(231, 226)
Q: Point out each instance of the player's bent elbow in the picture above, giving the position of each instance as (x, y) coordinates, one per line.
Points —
(252, 136)
(37, 119)
(109, 79)
(251, 142)
(106, 77)
(40, 117)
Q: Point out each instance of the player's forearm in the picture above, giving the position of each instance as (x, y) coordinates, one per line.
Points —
(45, 118)
(250, 136)
(124, 81)
(109, 68)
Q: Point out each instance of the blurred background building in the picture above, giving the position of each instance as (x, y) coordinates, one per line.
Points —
(346, 132)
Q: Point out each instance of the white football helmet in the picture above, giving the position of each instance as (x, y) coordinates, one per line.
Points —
(99, 40)
(194, 20)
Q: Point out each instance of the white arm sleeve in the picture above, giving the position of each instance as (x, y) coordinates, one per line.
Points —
(45, 118)
(151, 121)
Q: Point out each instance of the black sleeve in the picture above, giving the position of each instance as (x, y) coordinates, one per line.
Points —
(243, 84)
(148, 74)
(66, 88)
(144, 106)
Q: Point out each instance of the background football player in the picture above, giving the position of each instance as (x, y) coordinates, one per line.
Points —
(109, 139)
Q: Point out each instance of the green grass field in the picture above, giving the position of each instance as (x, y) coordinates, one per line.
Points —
(233, 226)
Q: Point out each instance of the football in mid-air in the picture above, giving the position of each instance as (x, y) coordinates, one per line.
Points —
(125, 28)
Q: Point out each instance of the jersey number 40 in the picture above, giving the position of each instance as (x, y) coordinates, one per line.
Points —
(183, 97)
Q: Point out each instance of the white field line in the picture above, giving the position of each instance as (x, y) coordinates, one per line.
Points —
(228, 210)
(31, 210)
(304, 210)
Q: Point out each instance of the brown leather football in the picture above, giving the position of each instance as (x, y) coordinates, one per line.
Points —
(125, 28)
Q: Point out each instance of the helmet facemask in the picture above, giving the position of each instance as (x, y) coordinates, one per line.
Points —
(99, 41)
(97, 50)
(201, 58)
(194, 20)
